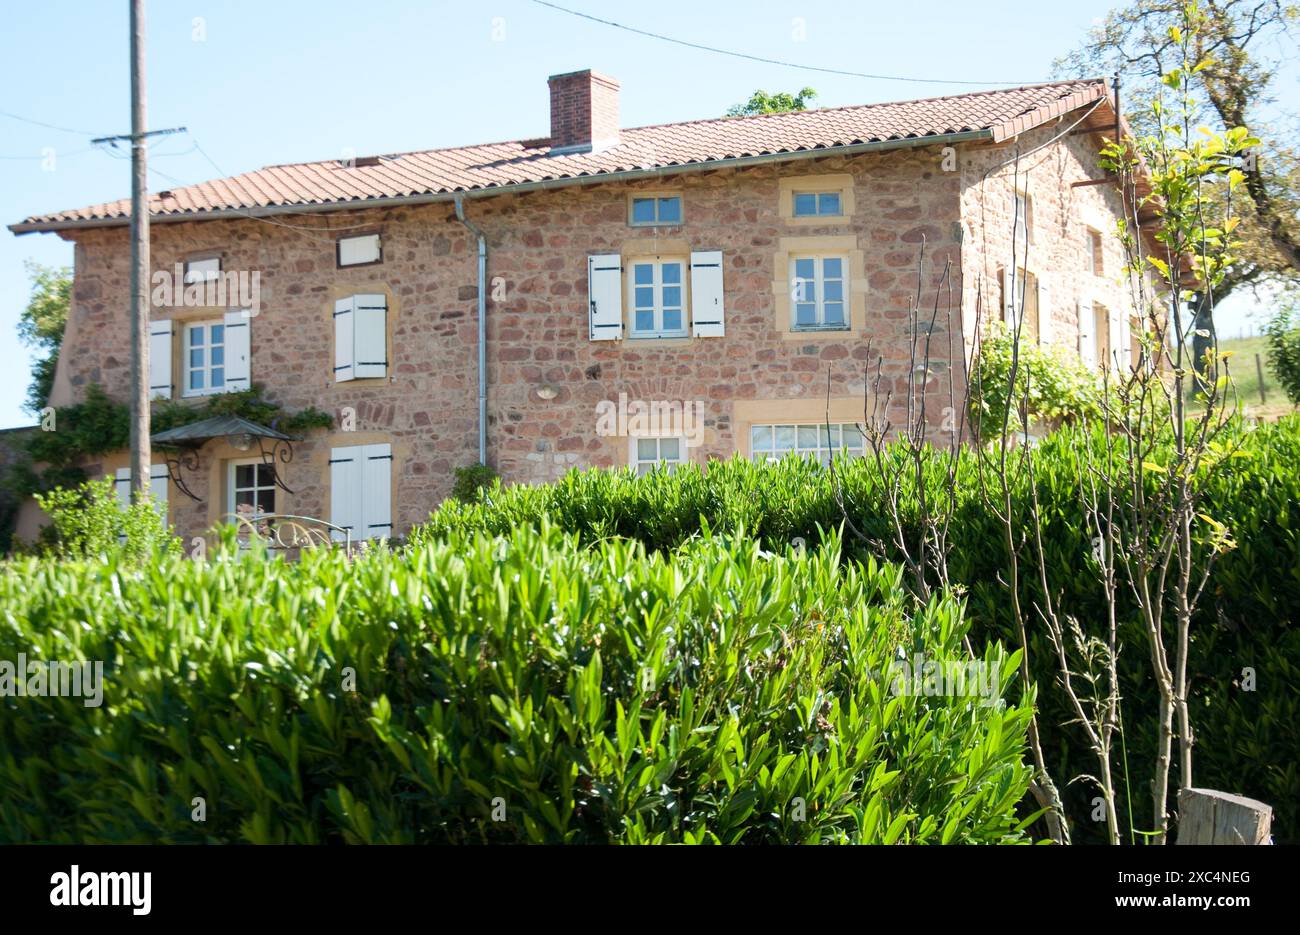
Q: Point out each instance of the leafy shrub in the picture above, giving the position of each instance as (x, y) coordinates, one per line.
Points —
(1052, 384)
(470, 480)
(1283, 332)
(598, 695)
(1248, 742)
(88, 522)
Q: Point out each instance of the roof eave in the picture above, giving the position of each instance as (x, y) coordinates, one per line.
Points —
(853, 149)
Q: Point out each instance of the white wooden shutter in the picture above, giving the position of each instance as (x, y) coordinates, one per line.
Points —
(707, 314)
(1087, 337)
(376, 492)
(1126, 339)
(369, 336)
(1116, 336)
(1009, 298)
(160, 360)
(158, 478)
(605, 293)
(239, 347)
(344, 321)
(1044, 311)
(345, 490)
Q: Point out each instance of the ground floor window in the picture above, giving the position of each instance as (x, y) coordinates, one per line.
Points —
(251, 488)
(770, 442)
(650, 453)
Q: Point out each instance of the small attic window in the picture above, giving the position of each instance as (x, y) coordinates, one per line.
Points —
(360, 162)
(360, 250)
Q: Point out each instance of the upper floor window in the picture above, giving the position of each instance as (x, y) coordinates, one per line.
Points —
(650, 210)
(360, 337)
(817, 204)
(658, 298)
(771, 442)
(1094, 257)
(361, 250)
(205, 358)
(202, 269)
(817, 292)
(1024, 219)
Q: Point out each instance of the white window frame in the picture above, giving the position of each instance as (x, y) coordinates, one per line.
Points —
(817, 195)
(657, 264)
(826, 443)
(644, 466)
(656, 199)
(232, 489)
(207, 389)
(819, 294)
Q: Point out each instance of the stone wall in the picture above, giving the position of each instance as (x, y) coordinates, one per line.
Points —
(546, 378)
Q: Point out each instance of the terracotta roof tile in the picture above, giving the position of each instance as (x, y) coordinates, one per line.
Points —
(999, 114)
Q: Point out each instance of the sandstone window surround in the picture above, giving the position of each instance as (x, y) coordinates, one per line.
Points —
(671, 293)
(655, 209)
(790, 290)
(816, 199)
(754, 420)
(215, 354)
(647, 453)
(359, 250)
(362, 336)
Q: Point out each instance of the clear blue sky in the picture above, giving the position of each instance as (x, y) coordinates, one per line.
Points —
(294, 81)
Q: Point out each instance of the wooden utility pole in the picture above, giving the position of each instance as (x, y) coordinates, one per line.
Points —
(141, 455)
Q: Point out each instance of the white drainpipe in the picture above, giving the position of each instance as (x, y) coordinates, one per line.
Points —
(482, 328)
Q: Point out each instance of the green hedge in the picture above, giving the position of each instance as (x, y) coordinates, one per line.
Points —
(598, 694)
(1248, 742)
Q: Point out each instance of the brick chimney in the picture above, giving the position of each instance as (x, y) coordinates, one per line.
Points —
(584, 112)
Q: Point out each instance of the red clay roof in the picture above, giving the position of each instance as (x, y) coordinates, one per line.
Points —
(996, 115)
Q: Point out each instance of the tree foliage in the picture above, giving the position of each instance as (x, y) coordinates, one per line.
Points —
(760, 102)
(1284, 349)
(41, 326)
(1238, 45)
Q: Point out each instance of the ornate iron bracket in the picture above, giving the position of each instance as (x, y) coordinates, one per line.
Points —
(281, 451)
(189, 460)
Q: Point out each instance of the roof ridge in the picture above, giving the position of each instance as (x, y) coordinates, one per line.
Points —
(827, 110)
(687, 123)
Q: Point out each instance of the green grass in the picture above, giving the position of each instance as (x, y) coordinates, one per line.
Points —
(1245, 374)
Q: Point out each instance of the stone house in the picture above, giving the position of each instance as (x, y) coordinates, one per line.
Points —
(605, 296)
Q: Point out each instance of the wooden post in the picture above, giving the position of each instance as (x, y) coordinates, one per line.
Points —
(1209, 817)
(1259, 369)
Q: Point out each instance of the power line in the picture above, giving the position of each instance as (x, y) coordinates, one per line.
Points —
(768, 61)
(48, 126)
